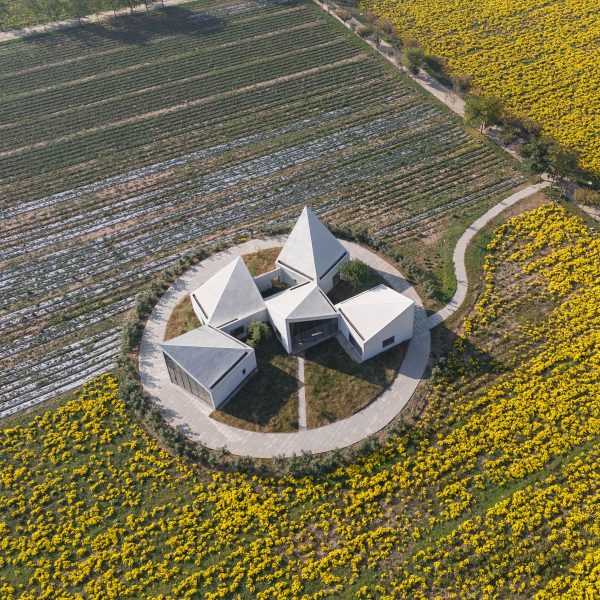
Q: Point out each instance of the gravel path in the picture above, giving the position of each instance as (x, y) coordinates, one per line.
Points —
(301, 394)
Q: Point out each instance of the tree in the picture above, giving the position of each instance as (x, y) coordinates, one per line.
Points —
(483, 111)
(546, 155)
(257, 332)
(80, 8)
(535, 154)
(357, 274)
(413, 58)
(562, 162)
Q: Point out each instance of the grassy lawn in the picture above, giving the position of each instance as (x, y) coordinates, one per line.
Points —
(337, 387)
(269, 400)
(262, 261)
(182, 319)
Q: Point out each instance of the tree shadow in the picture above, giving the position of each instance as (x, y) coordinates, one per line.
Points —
(138, 29)
(444, 341)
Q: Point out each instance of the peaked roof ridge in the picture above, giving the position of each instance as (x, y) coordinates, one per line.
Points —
(226, 273)
(230, 293)
(311, 247)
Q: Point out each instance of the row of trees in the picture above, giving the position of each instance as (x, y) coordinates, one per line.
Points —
(542, 154)
(43, 11)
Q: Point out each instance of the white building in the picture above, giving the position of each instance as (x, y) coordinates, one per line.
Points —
(312, 253)
(208, 363)
(229, 300)
(376, 320)
(302, 316)
(211, 364)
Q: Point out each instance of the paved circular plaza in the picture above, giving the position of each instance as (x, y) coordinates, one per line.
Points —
(192, 416)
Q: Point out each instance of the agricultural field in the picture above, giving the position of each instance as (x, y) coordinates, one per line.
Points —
(541, 58)
(16, 14)
(125, 146)
(492, 493)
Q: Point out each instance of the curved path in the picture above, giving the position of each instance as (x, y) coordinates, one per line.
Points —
(458, 258)
(185, 412)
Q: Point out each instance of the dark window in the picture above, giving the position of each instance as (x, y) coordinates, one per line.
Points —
(306, 332)
(179, 377)
(237, 331)
(354, 343)
(243, 371)
(388, 342)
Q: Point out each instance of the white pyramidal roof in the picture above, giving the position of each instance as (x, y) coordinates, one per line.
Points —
(369, 312)
(229, 294)
(311, 249)
(206, 353)
(305, 301)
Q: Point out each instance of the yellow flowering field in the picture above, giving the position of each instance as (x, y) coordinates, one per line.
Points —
(494, 493)
(541, 58)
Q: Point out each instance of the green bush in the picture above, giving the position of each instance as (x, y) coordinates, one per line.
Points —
(413, 58)
(257, 331)
(357, 274)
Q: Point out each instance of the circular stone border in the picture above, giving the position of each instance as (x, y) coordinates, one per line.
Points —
(184, 412)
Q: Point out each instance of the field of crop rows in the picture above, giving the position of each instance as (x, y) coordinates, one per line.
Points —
(124, 147)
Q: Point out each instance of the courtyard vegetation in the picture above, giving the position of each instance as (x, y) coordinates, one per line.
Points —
(492, 492)
(268, 401)
(182, 319)
(337, 387)
(261, 261)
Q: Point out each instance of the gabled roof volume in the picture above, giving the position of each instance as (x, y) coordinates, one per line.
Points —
(229, 294)
(305, 301)
(369, 312)
(206, 353)
(311, 249)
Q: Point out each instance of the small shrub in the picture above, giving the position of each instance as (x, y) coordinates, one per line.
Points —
(343, 14)
(461, 83)
(257, 331)
(437, 64)
(413, 58)
(509, 134)
(357, 274)
(409, 42)
(386, 26)
(364, 30)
